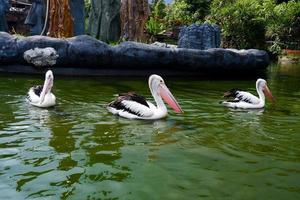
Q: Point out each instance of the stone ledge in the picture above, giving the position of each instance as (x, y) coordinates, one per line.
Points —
(86, 52)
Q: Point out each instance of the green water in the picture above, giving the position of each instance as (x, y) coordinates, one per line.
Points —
(78, 150)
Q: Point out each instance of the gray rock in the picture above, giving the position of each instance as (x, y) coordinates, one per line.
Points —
(89, 53)
(41, 57)
(104, 20)
(134, 55)
(8, 48)
(86, 51)
(36, 17)
(4, 7)
(197, 36)
(164, 45)
(77, 10)
(60, 45)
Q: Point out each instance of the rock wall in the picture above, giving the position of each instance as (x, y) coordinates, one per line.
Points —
(4, 7)
(197, 36)
(104, 20)
(78, 13)
(87, 52)
(36, 17)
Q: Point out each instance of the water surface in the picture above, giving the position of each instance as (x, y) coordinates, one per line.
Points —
(77, 150)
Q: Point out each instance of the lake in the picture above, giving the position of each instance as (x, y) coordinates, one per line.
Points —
(77, 150)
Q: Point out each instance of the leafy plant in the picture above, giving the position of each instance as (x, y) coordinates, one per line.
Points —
(240, 21)
(159, 9)
(283, 23)
(154, 27)
(178, 14)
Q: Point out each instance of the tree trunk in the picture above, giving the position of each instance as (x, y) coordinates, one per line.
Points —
(134, 15)
(61, 23)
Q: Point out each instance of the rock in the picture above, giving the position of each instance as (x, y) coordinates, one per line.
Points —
(4, 7)
(86, 51)
(104, 20)
(197, 36)
(77, 11)
(60, 45)
(164, 45)
(41, 57)
(8, 48)
(36, 17)
(138, 55)
(135, 55)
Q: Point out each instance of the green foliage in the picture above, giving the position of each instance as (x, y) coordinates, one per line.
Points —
(283, 23)
(154, 27)
(178, 14)
(159, 9)
(198, 9)
(275, 46)
(244, 23)
(87, 5)
(240, 21)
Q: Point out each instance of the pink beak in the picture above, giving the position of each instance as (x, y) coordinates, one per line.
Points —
(169, 98)
(268, 93)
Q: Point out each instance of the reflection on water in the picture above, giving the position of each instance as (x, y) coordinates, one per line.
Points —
(77, 150)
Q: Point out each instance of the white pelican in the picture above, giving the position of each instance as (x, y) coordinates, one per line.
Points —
(247, 100)
(132, 106)
(41, 96)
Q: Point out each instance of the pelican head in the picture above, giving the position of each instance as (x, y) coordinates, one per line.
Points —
(47, 85)
(159, 89)
(261, 85)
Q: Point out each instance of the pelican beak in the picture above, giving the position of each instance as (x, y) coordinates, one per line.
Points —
(46, 88)
(268, 93)
(169, 98)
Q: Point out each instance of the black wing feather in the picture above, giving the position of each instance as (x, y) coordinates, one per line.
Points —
(37, 90)
(131, 96)
(235, 93)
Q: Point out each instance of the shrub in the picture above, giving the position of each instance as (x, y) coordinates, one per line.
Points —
(154, 27)
(240, 21)
(178, 14)
(283, 23)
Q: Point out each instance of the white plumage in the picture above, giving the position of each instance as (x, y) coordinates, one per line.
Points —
(41, 96)
(246, 100)
(133, 106)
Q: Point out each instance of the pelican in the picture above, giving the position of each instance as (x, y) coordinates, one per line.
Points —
(41, 96)
(133, 106)
(247, 100)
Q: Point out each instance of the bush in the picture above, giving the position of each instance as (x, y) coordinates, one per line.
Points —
(241, 23)
(159, 9)
(178, 14)
(283, 23)
(154, 27)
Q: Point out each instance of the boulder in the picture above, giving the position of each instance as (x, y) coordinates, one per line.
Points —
(41, 57)
(104, 20)
(78, 13)
(4, 7)
(8, 48)
(164, 45)
(197, 36)
(85, 52)
(36, 17)
(135, 55)
(60, 45)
